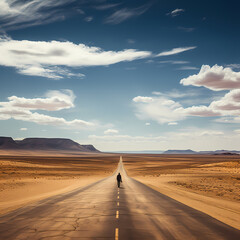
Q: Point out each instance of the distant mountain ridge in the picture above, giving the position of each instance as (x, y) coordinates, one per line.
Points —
(44, 144)
(189, 151)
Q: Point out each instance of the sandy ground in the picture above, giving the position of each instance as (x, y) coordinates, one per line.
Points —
(209, 183)
(25, 179)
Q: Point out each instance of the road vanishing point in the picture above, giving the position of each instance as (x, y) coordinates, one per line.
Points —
(102, 211)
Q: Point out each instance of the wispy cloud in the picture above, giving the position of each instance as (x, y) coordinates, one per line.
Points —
(17, 14)
(176, 12)
(175, 51)
(124, 14)
(233, 66)
(187, 68)
(106, 6)
(174, 62)
(88, 19)
(48, 59)
(186, 29)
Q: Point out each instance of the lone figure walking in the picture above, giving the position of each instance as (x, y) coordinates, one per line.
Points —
(119, 179)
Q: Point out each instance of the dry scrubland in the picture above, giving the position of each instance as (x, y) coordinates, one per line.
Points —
(209, 183)
(24, 179)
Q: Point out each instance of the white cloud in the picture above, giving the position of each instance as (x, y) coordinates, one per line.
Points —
(228, 120)
(143, 99)
(54, 101)
(124, 14)
(233, 65)
(160, 109)
(88, 19)
(176, 12)
(111, 131)
(126, 138)
(147, 124)
(216, 78)
(172, 123)
(22, 109)
(175, 93)
(194, 138)
(17, 14)
(40, 58)
(164, 110)
(175, 51)
(23, 129)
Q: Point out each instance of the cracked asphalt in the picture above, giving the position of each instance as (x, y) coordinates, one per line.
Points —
(102, 211)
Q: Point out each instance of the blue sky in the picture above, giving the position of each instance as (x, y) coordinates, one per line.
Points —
(122, 75)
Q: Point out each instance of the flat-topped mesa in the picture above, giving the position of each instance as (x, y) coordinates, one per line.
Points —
(45, 144)
(90, 148)
(8, 143)
(50, 144)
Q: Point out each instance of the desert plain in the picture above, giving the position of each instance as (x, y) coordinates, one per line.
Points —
(208, 183)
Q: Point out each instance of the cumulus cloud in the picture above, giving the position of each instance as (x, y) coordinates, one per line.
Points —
(166, 110)
(23, 129)
(147, 124)
(54, 101)
(216, 78)
(176, 12)
(20, 108)
(124, 14)
(47, 59)
(175, 51)
(160, 109)
(111, 131)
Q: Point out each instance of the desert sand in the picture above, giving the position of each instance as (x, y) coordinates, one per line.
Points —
(28, 178)
(208, 183)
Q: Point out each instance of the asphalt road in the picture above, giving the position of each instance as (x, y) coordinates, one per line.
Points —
(101, 211)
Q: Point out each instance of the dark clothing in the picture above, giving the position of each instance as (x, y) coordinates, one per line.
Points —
(119, 179)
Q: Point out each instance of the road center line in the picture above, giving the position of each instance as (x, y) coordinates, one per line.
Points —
(117, 203)
(116, 233)
(117, 214)
(118, 197)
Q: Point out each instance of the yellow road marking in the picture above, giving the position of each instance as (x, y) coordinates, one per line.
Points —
(116, 233)
(117, 214)
(118, 197)
(118, 203)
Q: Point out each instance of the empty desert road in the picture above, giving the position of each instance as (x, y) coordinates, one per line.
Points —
(100, 211)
